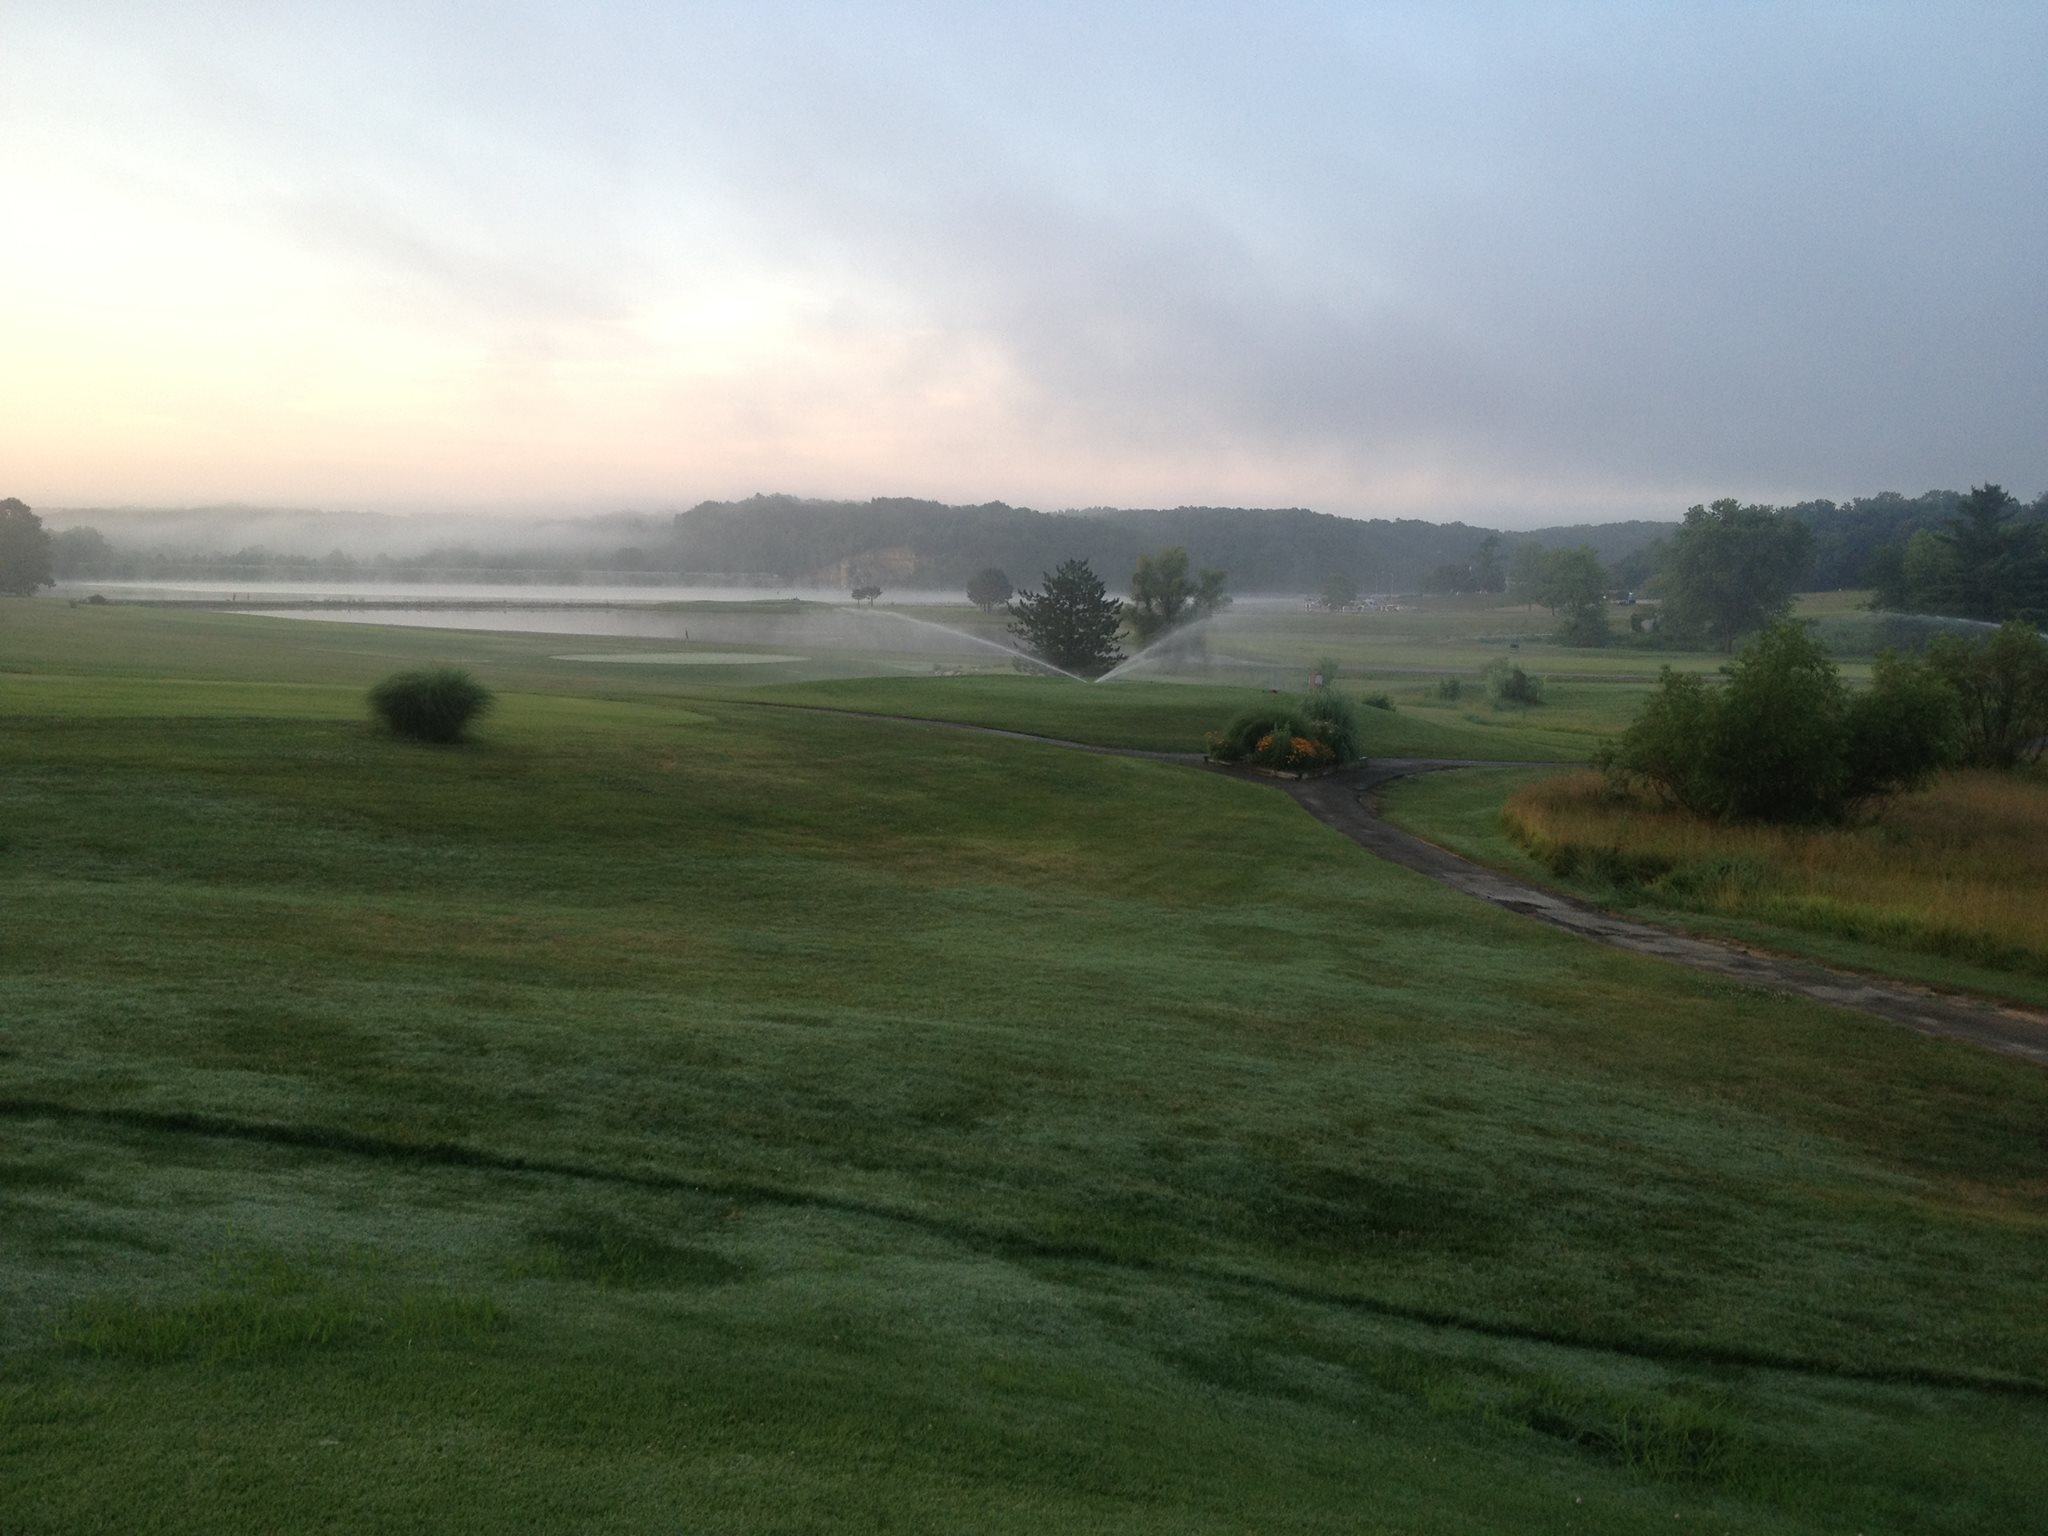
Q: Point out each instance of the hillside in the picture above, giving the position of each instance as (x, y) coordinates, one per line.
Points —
(908, 542)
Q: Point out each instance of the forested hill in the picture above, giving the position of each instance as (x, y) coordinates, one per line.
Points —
(910, 543)
(1847, 534)
(900, 542)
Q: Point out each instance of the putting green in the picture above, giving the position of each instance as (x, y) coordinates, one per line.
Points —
(689, 658)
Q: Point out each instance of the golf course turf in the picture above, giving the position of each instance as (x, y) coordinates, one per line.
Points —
(672, 1111)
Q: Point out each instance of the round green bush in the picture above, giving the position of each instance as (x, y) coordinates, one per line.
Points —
(433, 704)
(1509, 684)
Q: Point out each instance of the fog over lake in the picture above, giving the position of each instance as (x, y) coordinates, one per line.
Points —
(400, 594)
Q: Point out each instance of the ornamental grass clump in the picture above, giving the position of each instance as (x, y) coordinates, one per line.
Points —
(434, 704)
(1333, 720)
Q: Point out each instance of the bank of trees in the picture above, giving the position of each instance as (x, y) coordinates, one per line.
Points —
(1783, 738)
(1987, 561)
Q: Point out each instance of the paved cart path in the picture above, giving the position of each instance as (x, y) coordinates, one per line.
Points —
(1344, 801)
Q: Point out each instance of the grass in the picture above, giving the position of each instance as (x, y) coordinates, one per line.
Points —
(1959, 870)
(670, 1110)
(1946, 887)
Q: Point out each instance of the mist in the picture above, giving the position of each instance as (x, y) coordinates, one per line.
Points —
(1514, 267)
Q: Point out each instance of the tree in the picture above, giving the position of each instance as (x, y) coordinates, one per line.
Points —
(1072, 623)
(1733, 569)
(1572, 583)
(2001, 689)
(1986, 552)
(1482, 573)
(866, 595)
(1339, 593)
(24, 550)
(1525, 570)
(1487, 573)
(80, 552)
(1930, 574)
(1637, 569)
(1448, 579)
(2001, 564)
(1884, 572)
(1163, 598)
(1986, 561)
(989, 587)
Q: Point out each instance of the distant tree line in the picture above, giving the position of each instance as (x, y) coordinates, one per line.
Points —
(1264, 549)
(1980, 554)
(1987, 561)
(85, 554)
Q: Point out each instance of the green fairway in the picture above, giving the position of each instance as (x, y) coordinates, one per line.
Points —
(690, 1107)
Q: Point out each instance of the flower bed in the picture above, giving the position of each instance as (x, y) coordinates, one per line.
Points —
(1294, 738)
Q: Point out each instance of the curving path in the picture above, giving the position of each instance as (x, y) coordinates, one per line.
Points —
(1344, 802)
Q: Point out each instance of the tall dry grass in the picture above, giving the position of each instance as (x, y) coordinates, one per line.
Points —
(1960, 870)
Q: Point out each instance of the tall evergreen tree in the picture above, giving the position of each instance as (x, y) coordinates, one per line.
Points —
(1072, 623)
(1998, 561)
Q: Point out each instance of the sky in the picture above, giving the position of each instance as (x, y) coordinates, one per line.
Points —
(1510, 263)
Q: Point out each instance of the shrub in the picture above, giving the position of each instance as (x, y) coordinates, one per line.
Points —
(1584, 626)
(434, 704)
(2001, 688)
(1783, 740)
(1509, 684)
(1319, 730)
(1900, 731)
(1450, 688)
(1665, 746)
(1333, 721)
(1776, 750)
(1380, 700)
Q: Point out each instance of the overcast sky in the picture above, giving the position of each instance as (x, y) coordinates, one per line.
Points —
(1506, 263)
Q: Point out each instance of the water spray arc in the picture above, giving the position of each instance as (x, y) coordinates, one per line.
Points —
(960, 634)
(1189, 643)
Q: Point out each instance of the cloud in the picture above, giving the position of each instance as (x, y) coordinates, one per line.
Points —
(1441, 260)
